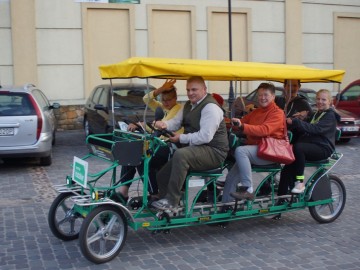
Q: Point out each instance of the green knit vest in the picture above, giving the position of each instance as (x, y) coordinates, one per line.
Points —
(191, 124)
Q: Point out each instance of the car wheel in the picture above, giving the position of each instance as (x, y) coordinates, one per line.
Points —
(46, 161)
(87, 128)
(53, 138)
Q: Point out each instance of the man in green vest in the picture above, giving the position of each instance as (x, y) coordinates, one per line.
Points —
(205, 143)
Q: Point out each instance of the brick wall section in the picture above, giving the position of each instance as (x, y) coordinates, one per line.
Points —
(70, 117)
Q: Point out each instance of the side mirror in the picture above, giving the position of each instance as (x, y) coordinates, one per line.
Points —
(55, 105)
(100, 107)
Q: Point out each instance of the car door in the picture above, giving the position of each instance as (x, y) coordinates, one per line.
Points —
(93, 113)
(349, 99)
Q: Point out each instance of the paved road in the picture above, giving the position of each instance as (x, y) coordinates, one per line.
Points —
(294, 242)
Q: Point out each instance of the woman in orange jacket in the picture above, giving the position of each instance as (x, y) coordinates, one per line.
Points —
(267, 120)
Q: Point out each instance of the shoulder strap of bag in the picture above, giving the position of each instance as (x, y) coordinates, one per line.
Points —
(286, 137)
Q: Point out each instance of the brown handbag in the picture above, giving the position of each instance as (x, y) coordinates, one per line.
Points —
(276, 150)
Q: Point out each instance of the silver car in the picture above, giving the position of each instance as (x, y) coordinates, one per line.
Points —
(27, 123)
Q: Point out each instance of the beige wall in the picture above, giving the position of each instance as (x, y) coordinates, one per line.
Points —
(108, 38)
(59, 44)
(218, 40)
(23, 42)
(347, 45)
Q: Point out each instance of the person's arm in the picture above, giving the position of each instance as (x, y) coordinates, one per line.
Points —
(150, 98)
(172, 124)
(211, 117)
(325, 124)
(267, 128)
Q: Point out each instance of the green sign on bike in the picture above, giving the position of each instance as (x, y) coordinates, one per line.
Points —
(80, 169)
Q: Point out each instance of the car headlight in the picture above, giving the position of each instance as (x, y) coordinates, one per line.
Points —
(357, 122)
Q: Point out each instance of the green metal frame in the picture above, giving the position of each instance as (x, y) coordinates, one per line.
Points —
(189, 213)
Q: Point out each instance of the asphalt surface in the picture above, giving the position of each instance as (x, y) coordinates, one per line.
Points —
(295, 242)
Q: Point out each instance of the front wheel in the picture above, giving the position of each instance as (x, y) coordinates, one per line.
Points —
(327, 213)
(103, 234)
(64, 222)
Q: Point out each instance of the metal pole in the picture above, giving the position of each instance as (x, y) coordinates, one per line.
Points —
(231, 89)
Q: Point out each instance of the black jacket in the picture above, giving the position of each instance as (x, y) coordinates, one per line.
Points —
(298, 104)
(321, 132)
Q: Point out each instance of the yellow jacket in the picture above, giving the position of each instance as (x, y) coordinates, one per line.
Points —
(153, 104)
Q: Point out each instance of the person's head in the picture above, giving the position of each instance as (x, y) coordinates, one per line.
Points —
(169, 98)
(323, 99)
(291, 88)
(265, 94)
(195, 88)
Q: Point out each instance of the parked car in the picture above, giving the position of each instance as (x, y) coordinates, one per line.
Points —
(27, 123)
(349, 98)
(128, 106)
(349, 122)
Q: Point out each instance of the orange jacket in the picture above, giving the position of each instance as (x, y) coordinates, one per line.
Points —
(263, 122)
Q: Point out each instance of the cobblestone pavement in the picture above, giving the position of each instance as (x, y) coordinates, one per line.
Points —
(295, 242)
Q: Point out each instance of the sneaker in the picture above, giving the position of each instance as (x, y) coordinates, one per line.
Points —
(299, 187)
(243, 195)
(162, 204)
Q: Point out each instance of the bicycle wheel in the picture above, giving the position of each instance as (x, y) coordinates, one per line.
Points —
(327, 213)
(63, 221)
(103, 234)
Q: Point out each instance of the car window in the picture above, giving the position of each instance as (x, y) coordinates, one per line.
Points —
(16, 104)
(129, 98)
(96, 95)
(352, 93)
(103, 99)
(41, 99)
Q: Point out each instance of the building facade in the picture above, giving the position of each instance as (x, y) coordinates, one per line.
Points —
(59, 44)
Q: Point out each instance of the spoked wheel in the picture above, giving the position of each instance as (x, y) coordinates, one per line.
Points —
(64, 222)
(103, 234)
(329, 212)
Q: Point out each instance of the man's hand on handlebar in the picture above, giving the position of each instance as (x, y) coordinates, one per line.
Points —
(236, 122)
(174, 138)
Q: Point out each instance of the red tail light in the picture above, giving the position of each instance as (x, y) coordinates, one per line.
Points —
(39, 117)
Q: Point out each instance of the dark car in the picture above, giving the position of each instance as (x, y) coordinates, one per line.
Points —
(349, 122)
(349, 98)
(128, 106)
(27, 123)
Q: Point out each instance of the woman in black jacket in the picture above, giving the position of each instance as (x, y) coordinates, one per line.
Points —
(316, 141)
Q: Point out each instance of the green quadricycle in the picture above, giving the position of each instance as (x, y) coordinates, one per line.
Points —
(89, 208)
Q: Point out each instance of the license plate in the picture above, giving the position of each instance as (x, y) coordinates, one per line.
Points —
(6, 131)
(350, 129)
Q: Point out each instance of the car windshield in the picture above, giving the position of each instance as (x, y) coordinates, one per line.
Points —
(129, 98)
(15, 104)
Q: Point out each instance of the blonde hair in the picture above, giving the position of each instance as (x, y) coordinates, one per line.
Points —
(327, 92)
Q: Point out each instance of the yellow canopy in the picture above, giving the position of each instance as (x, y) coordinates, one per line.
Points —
(213, 70)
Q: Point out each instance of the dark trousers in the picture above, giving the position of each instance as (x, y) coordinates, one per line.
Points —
(156, 163)
(303, 152)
